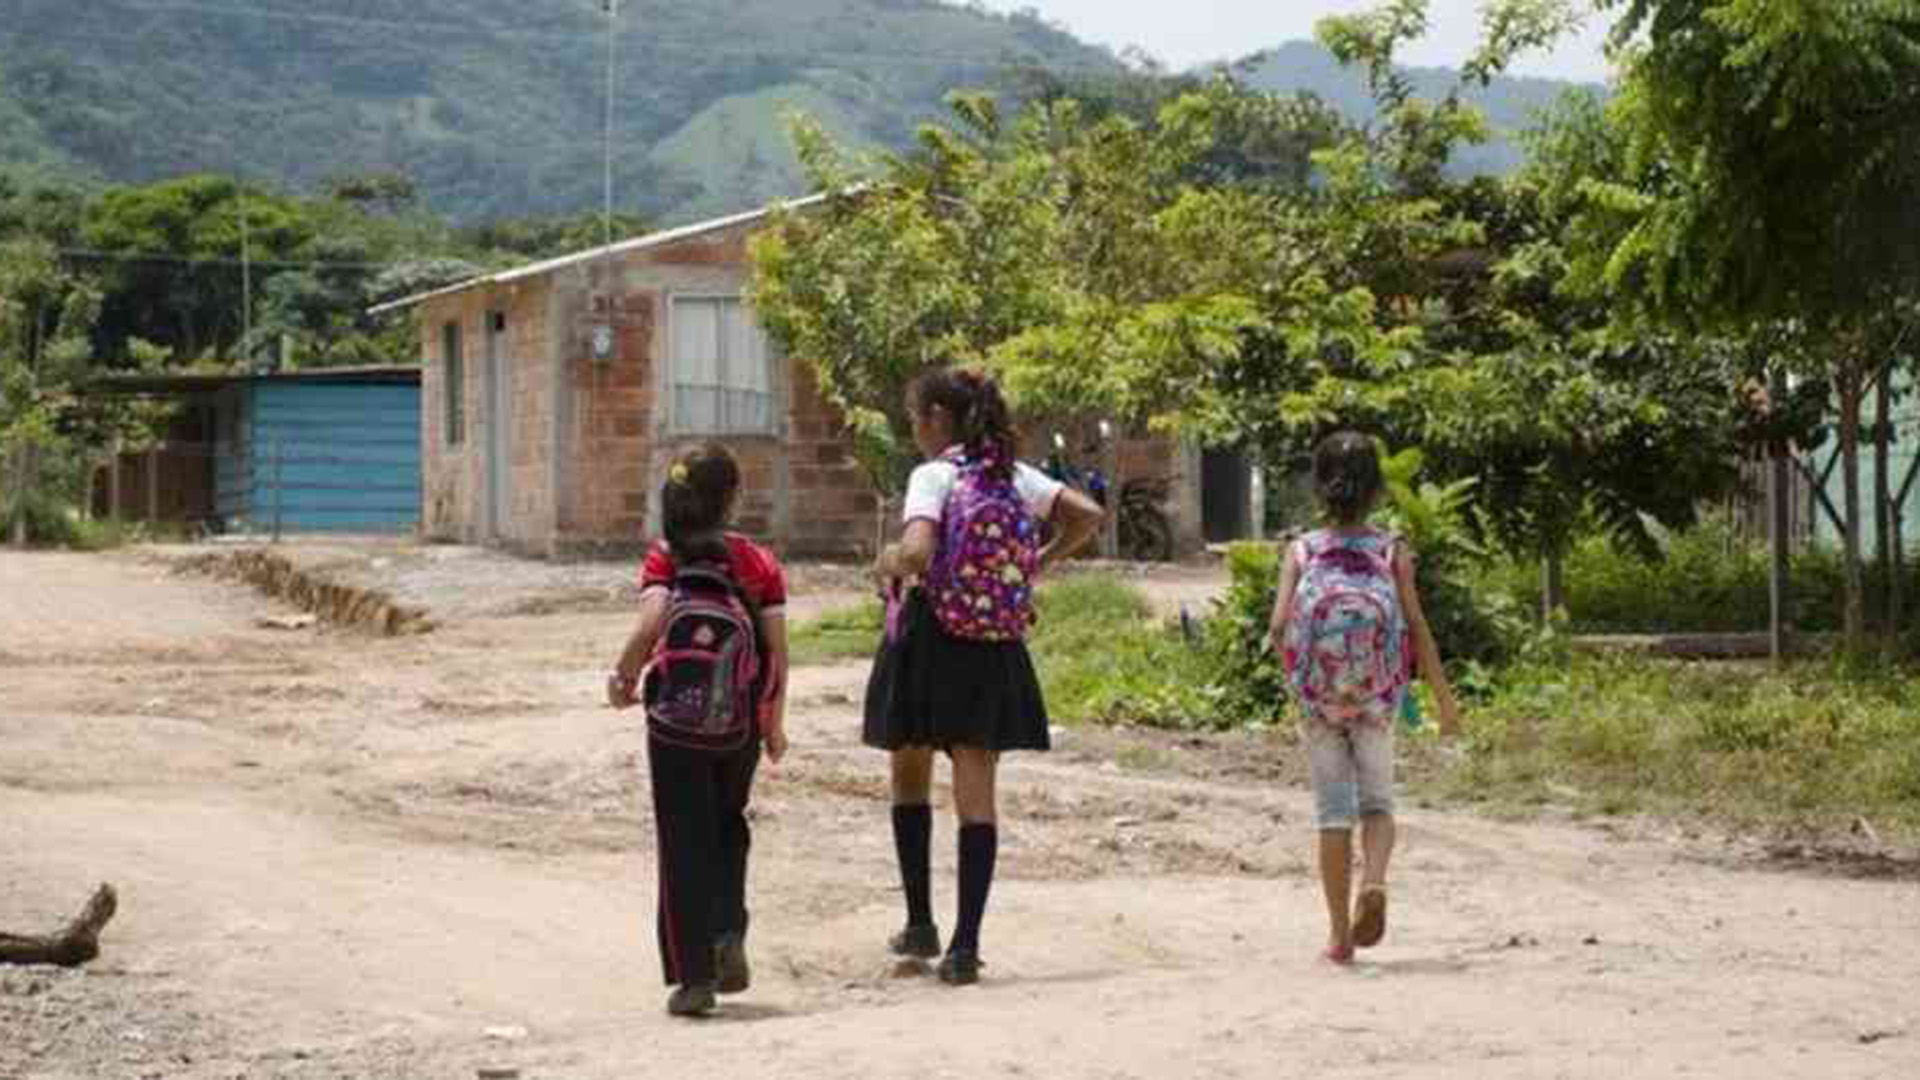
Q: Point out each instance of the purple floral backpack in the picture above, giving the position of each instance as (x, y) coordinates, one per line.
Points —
(981, 581)
(1346, 641)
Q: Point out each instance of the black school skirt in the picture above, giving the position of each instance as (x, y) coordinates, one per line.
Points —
(929, 689)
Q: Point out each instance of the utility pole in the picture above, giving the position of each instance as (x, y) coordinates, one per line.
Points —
(612, 8)
(246, 286)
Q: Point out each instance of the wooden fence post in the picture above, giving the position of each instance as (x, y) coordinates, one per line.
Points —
(1110, 530)
(153, 484)
(113, 481)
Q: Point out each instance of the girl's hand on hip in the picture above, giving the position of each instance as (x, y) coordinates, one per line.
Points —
(884, 572)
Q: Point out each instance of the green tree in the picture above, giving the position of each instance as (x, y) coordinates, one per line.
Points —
(528, 238)
(1070, 253)
(1392, 297)
(930, 265)
(1769, 180)
(175, 257)
(47, 313)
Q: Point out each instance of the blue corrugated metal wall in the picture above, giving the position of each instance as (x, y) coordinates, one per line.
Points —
(324, 457)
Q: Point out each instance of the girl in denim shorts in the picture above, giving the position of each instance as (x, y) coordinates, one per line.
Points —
(1349, 628)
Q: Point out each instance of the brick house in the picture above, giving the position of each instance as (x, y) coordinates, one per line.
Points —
(555, 395)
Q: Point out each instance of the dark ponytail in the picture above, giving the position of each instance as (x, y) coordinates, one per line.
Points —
(694, 503)
(981, 419)
(1346, 476)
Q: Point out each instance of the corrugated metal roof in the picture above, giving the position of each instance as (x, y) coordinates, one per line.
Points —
(199, 382)
(639, 243)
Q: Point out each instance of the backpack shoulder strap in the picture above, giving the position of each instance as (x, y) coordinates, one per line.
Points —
(1313, 543)
(713, 576)
(1297, 552)
(1391, 544)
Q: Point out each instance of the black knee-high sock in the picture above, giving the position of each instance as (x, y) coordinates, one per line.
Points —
(913, 843)
(979, 845)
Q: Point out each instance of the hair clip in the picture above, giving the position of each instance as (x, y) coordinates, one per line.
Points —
(679, 473)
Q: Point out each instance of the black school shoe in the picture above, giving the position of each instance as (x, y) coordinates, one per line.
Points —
(692, 999)
(730, 964)
(960, 967)
(920, 941)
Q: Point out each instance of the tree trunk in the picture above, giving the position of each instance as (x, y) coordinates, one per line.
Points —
(1553, 585)
(1851, 394)
(1883, 508)
(22, 489)
(75, 944)
(1779, 491)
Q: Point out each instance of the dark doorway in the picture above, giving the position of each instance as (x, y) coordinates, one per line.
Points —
(1226, 495)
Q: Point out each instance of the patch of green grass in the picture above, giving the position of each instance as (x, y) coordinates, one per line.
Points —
(1817, 744)
(1101, 654)
(846, 634)
(1104, 658)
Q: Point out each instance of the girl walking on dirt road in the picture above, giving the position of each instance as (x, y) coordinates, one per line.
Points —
(954, 673)
(709, 660)
(1346, 613)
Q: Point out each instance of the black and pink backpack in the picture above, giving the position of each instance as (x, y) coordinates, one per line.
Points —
(702, 687)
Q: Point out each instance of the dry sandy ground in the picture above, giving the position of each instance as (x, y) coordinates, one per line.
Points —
(344, 857)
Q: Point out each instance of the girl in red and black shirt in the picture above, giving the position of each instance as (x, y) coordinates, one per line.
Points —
(700, 798)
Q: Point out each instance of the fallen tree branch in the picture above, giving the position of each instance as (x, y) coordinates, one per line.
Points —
(74, 945)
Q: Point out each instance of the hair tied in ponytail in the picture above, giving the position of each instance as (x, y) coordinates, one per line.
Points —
(1346, 473)
(694, 503)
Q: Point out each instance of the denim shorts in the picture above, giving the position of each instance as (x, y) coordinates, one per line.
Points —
(1352, 772)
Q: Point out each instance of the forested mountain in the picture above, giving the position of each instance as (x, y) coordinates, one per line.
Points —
(1510, 104)
(494, 108)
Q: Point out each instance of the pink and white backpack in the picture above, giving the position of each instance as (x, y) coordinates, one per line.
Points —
(981, 581)
(1346, 649)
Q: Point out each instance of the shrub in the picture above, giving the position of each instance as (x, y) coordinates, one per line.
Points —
(1250, 683)
(1708, 581)
(49, 522)
(1818, 741)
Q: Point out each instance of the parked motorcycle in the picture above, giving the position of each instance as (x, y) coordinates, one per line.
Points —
(1145, 533)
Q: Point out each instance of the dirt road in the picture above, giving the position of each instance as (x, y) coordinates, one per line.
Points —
(340, 856)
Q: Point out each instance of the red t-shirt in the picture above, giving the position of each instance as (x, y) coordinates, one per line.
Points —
(754, 569)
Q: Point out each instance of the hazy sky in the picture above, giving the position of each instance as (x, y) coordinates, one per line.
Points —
(1186, 32)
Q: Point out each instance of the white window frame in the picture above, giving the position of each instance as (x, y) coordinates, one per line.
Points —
(678, 424)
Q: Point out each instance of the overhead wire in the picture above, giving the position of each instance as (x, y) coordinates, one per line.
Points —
(101, 255)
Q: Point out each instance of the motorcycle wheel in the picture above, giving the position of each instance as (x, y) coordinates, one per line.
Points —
(1146, 536)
